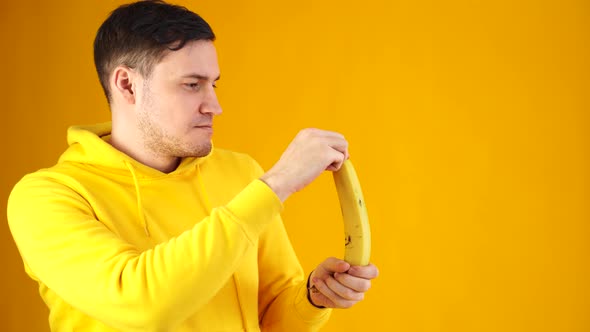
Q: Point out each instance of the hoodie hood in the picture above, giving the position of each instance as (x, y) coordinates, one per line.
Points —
(90, 145)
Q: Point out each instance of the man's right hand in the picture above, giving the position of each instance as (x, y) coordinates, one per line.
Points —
(310, 153)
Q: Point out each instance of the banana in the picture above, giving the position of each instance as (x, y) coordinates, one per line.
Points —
(357, 232)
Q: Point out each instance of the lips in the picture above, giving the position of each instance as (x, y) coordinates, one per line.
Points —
(207, 128)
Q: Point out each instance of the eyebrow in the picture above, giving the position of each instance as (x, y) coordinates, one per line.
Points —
(200, 77)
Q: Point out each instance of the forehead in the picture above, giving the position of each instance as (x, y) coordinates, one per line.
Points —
(198, 56)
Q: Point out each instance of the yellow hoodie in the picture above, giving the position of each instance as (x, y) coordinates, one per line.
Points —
(117, 245)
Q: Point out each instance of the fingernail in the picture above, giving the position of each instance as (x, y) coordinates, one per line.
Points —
(315, 280)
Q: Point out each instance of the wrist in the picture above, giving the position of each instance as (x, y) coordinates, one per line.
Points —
(276, 184)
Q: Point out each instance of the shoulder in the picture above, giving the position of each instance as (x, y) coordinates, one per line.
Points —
(46, 184)
(63, 173)
(57, 174)
(40, 192)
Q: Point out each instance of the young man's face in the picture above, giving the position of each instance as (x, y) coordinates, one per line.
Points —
(176, 105)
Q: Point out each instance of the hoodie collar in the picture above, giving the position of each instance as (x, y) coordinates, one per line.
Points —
(90, 145)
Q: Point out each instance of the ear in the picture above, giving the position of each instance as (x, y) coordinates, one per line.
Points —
(123, 84)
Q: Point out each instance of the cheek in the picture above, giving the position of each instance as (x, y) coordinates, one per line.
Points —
(175, 109)
(184, 110)
(193, 101)
(190, 105)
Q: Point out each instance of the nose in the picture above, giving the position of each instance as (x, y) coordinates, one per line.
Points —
(210, 103)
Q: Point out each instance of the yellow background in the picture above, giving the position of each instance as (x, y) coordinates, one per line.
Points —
(468, 125)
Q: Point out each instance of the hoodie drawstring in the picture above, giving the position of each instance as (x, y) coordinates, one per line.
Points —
(138, 195)
(208, 208)
(140, 212)
(204, 196)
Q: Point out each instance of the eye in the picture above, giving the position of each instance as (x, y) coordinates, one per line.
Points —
(192, 86)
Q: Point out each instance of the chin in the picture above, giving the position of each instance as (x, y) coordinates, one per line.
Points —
(200, 151)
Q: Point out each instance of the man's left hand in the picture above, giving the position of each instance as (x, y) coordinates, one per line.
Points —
(337, 284)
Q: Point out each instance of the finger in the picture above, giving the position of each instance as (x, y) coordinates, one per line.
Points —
(341, 149)
(352, 282)
(338, 144)
(324, 133)
(366, 272)
(315, 132)
(320, 299)
(337, 152)
(332, 265)
(328, 293)
(337, 163)
(343, 291)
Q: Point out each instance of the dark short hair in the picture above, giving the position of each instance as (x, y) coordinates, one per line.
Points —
(138, 35)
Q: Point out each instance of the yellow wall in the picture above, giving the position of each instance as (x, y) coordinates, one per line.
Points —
(468, 123)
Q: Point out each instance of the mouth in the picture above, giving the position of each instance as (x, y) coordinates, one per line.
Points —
(205, 128)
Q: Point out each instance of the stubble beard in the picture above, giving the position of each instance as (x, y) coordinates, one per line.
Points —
(162, 143)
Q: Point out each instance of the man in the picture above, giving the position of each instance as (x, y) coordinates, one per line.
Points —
(143, 226)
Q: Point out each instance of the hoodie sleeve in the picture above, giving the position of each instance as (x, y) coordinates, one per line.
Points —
(110, 280)
(283, 302)
(282, 299)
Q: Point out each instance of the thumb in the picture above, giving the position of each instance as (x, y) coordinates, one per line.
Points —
(333, 265)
